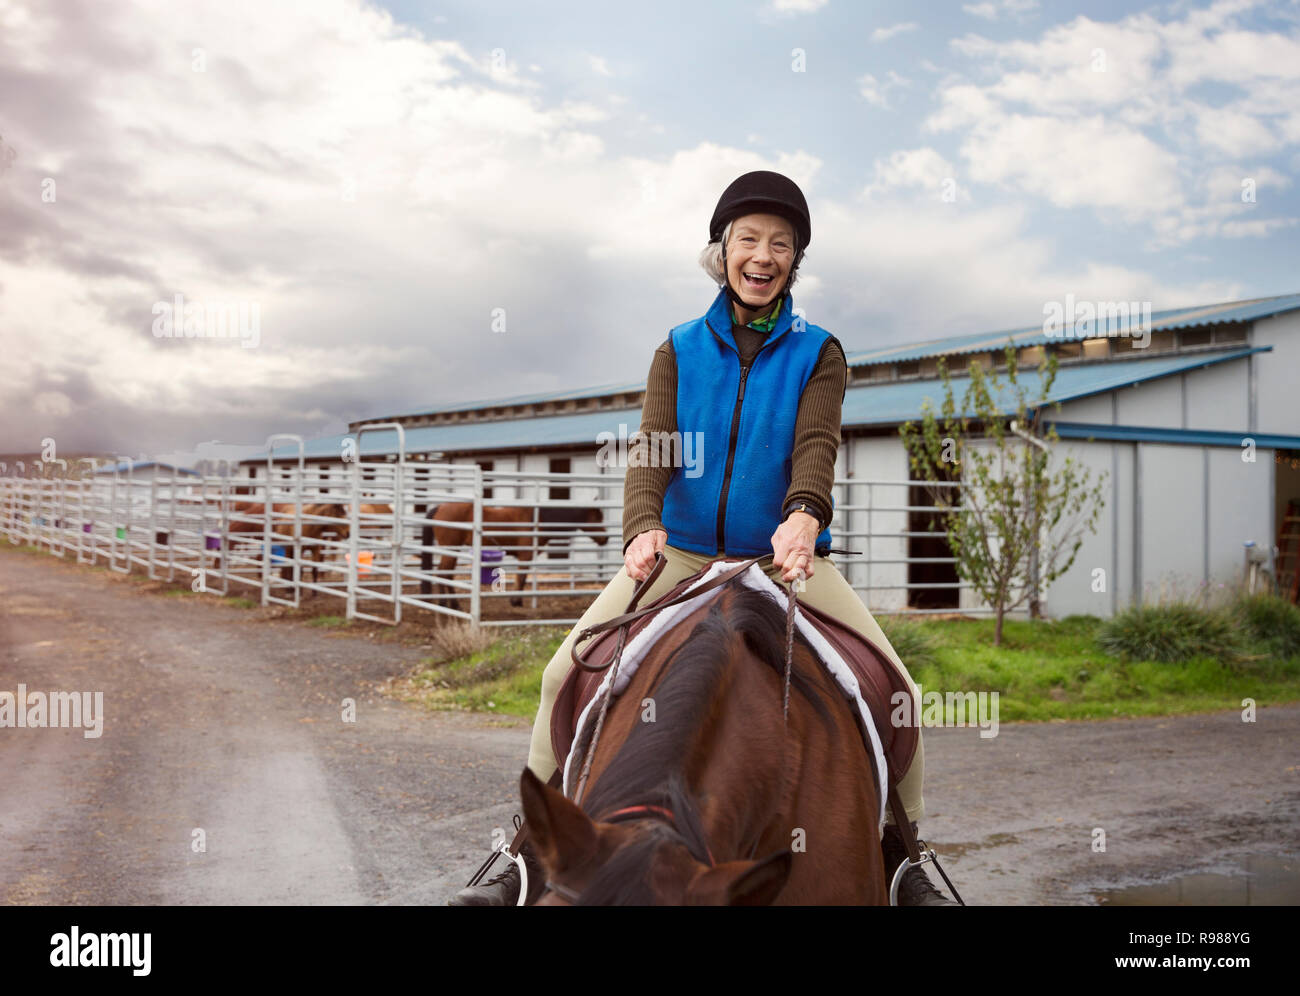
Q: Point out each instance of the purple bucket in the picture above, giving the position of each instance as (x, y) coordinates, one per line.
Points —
(87, 527)
(489, 574)
(212, 541)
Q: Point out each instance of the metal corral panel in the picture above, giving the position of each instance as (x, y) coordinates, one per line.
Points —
(1033, 335)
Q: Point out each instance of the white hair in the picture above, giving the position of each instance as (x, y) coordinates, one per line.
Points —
(711, 260)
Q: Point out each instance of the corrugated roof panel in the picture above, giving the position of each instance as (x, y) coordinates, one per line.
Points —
(600, 390)
(871, 404)
(1173, 318)
(893, 403)
(504, 434)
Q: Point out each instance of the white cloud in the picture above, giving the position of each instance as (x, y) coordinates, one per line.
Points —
(599, 66)
(991, 10)
(884, 34)
(1102, 115)
(876, 92)
(921, 172)
(790, 7)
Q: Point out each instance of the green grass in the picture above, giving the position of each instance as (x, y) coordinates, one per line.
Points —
(239, 602)
(506, 678)
(328, 622)
(1043, 671)
(1057, 670)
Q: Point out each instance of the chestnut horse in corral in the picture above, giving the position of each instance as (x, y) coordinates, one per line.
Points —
(511, 528)
(718, 801)
(282, 522)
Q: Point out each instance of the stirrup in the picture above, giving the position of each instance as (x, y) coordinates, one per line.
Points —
(503, 848)
(927, 855)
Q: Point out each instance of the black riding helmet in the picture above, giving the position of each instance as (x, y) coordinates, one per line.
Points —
(761, 192)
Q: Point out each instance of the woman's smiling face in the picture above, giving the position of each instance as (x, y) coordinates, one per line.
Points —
(760, 252)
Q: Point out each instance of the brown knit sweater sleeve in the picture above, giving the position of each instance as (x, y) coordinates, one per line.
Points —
(644, 487)
(817, 434)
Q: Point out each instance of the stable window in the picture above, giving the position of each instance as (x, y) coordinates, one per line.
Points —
(560, 465)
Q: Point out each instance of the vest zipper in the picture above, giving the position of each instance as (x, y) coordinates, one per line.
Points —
(731, 457)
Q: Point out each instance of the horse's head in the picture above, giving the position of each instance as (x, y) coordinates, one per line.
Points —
(642, 859)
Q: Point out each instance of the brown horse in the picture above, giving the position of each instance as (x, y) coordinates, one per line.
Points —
(508, 527)
(717, 802)
(282, 522)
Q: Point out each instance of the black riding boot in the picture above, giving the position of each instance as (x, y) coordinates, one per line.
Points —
(916, 889)
(503, 889)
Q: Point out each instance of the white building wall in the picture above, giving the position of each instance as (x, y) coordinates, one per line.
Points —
(1218, 397)
(1080, 590)
(1241, 509)
(1276, 380)
(1152, 403)
(1173, 510)
(1095, 410)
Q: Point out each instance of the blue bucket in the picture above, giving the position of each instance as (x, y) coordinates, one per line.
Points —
(277, 555)
(488, 574)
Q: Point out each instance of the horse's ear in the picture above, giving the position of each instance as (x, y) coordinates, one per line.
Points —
(562, 833)
(742, 883)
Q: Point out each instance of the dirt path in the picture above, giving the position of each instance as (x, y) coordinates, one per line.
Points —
(229, 721)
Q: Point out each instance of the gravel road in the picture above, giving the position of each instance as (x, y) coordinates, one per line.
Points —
(229, 721)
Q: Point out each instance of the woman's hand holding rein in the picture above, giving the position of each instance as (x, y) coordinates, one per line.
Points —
(792, 545)
(792, 548)
(640, 555)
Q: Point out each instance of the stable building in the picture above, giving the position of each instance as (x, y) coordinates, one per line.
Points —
(1191, 413)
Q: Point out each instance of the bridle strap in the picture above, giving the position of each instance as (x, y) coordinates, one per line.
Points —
(654, 812)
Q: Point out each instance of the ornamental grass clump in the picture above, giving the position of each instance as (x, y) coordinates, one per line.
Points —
(1173, 633)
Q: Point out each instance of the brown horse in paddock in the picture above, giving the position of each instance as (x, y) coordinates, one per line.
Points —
(511, 528)
(282, 520)
(709, 804)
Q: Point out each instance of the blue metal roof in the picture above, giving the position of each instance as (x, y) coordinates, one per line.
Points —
(502, 434)
(125, 466)
(1157, 434)
(866, 405)
(1175, 318)
(599, 391)
(894, 403)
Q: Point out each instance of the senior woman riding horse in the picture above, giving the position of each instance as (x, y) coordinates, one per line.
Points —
(765, 389)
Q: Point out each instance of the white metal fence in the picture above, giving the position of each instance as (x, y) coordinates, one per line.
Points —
(538, 550)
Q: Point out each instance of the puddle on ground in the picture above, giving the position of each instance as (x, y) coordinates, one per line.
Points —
(1262, 880)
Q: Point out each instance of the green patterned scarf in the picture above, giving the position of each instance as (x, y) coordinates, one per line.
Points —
(764, 323)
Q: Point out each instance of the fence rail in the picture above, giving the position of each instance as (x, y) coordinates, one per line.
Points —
(372, 543)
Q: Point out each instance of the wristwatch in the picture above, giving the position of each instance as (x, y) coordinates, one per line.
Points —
(807, 509)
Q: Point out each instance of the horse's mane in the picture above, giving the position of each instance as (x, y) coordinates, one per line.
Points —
(649, 767)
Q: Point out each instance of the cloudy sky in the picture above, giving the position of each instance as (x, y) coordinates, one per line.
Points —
(428, 203)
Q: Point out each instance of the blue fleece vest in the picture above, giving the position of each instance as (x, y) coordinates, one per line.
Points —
(708, 384)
